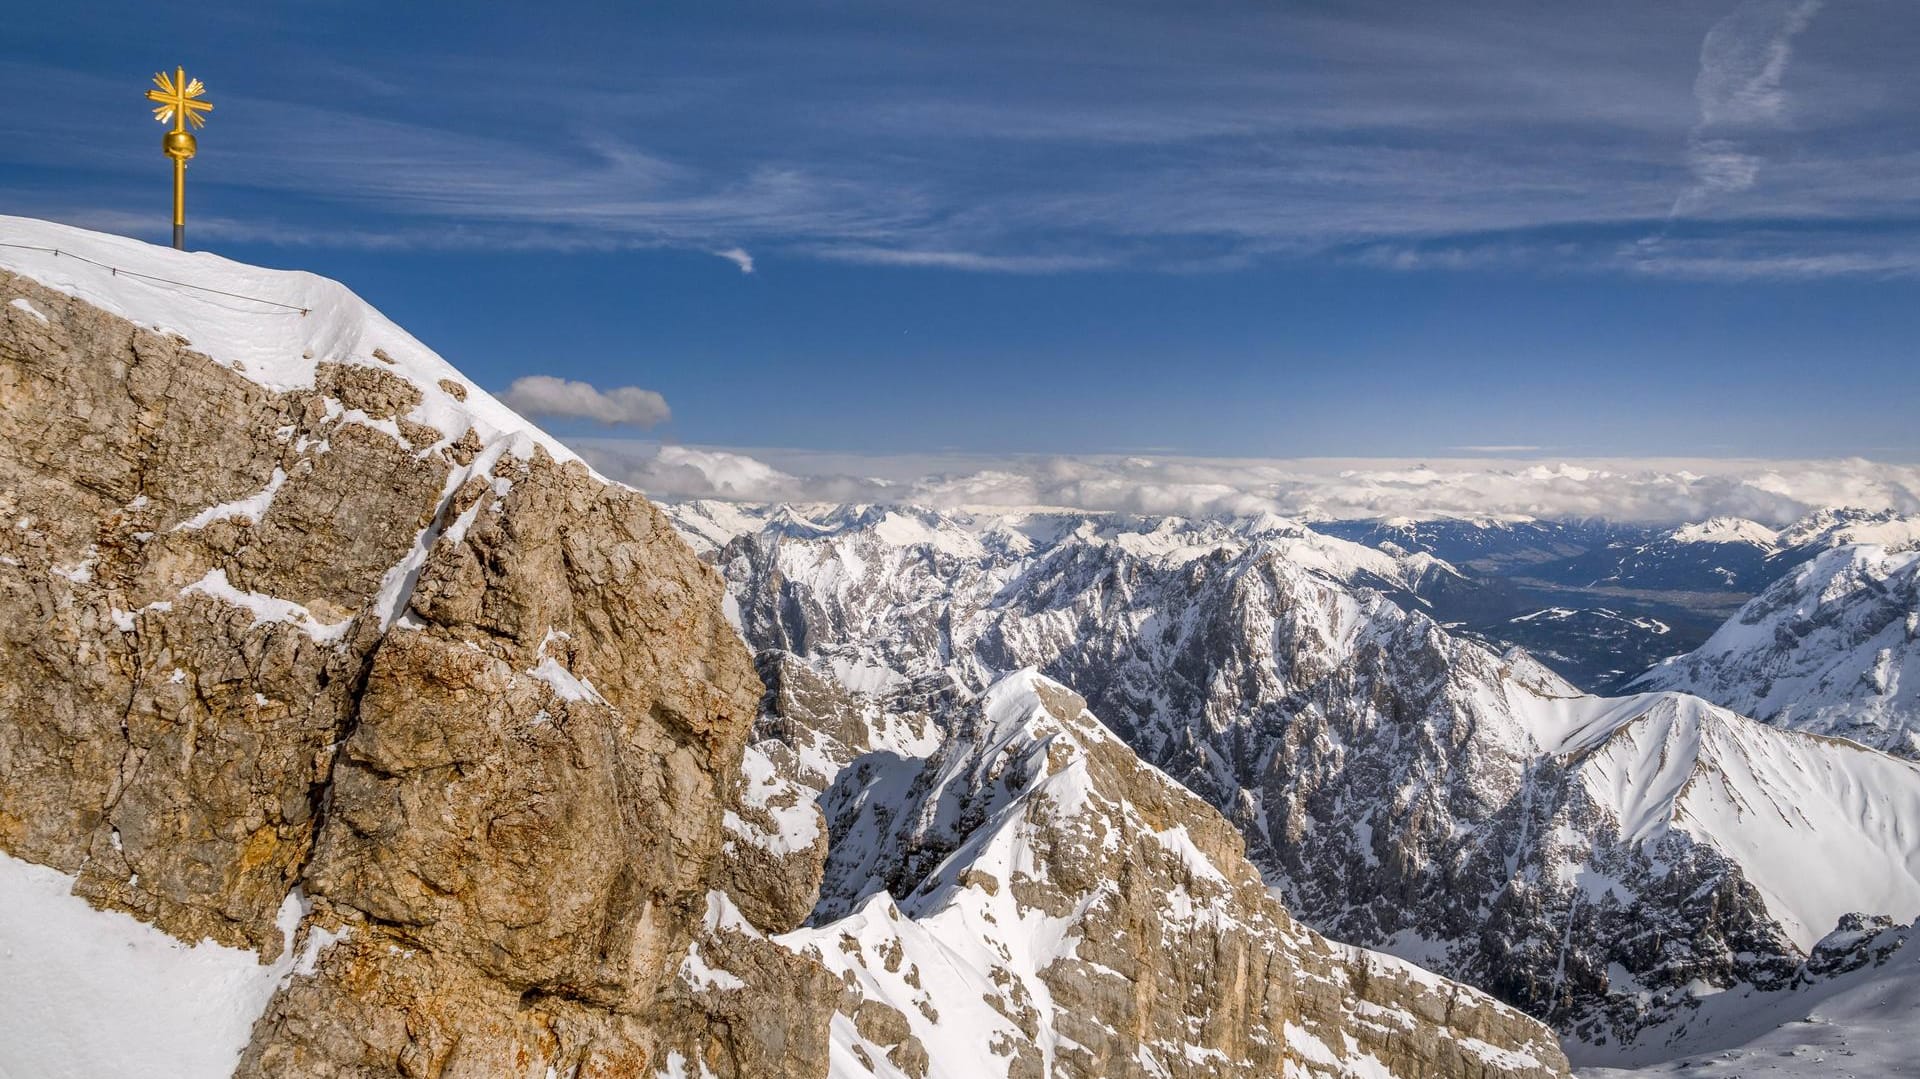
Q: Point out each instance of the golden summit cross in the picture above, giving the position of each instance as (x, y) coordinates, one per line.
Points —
(180, 102)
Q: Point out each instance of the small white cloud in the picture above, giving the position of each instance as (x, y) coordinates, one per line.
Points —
(739, 257)
(545, 395)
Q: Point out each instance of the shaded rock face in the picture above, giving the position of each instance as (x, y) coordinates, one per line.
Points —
(478, 707)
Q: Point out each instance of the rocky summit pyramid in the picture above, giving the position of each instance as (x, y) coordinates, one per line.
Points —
(351, 726)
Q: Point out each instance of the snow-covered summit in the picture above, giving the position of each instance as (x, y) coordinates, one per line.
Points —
(1828, 528)
(1726, 530)
(250, 319)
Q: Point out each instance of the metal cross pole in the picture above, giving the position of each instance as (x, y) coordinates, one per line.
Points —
(179, 101)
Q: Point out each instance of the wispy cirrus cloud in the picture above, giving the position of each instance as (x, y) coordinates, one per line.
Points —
(1490, 133)
(959, 260)
(1741, 91)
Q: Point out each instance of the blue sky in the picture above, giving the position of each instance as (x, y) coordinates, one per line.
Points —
(1675, 228)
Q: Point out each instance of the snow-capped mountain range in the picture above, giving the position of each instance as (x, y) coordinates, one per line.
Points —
(1607, 863)
(1602, 602)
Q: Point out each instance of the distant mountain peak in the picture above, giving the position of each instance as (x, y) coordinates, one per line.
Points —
(1726, 530)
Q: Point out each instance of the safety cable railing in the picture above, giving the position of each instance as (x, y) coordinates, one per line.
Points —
(119, 272)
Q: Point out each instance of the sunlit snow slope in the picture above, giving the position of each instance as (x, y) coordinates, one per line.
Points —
(271, 343)
(1833, 647)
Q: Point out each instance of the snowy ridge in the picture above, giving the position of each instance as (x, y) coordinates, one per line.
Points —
(1833, 648)
(1828, 528)
(1774, 802)
(278, 348)
(992, 899)
(1726, 530)
(966, 930)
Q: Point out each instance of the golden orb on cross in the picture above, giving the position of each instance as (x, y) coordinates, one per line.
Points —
(179, 101)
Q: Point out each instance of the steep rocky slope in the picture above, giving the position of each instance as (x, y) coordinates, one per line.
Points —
(1605, 863)
(294, 620)
(1031, 899)
(1833, 647)
(434, 744)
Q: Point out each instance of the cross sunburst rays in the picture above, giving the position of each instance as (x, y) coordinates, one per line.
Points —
(179, 100)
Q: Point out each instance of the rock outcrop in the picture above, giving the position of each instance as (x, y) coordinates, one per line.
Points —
(479, 708)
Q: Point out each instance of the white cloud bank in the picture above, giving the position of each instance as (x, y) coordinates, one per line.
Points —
(1622, 489)
(545, 395)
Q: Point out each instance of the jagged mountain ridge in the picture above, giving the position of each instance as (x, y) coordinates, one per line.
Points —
(1008, 891)
(1404, 788)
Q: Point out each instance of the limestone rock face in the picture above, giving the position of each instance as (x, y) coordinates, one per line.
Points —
(164, 742)
(478, 707)
(1032, 899)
